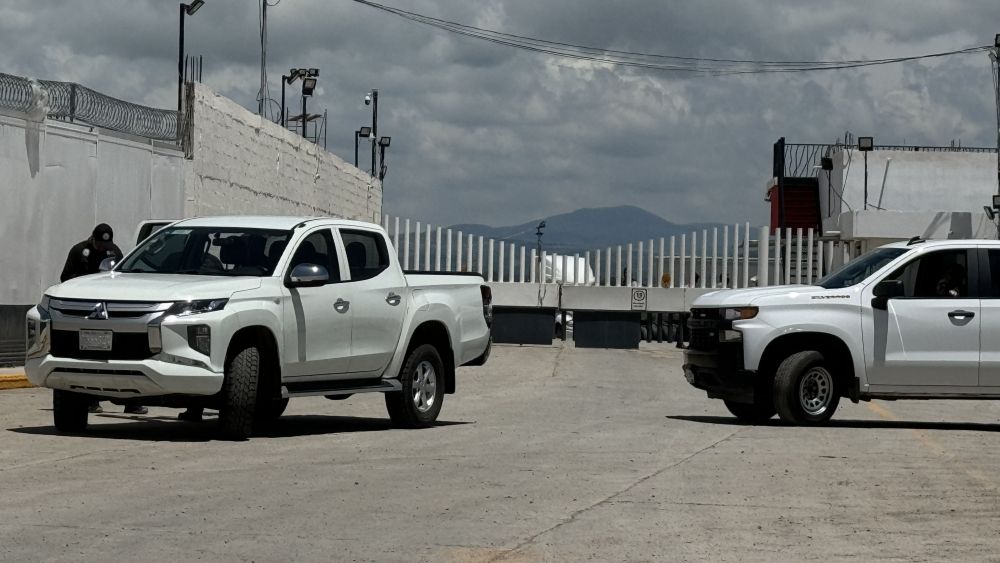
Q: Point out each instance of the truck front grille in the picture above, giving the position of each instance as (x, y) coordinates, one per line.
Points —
(704, 329)
(124, 346)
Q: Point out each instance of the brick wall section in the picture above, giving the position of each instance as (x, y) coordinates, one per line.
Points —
(243, 164)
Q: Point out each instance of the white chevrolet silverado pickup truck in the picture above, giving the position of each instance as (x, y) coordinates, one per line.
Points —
(909, 320)
(242, 313)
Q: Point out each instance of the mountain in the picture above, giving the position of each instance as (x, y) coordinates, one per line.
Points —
(589, 229)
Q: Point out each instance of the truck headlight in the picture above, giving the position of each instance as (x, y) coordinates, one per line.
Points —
(200, 339)
(739, 313)
(186, 308)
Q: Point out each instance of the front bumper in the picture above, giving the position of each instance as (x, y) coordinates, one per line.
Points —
(171, 368)
(122, 378)
(720, 373)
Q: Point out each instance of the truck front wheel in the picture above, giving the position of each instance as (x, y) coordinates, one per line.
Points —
(239, 393)
(422, 378)
(69, 411)
(752, 413)
(805, 390)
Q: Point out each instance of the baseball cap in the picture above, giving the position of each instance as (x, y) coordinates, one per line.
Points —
(103, 235)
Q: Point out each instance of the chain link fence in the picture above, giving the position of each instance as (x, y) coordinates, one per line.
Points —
(68, 101)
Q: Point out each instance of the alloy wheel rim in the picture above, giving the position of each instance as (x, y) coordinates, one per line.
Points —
(424, 386)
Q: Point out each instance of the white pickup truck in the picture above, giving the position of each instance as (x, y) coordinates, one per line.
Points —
(242, 313)
(909, 320)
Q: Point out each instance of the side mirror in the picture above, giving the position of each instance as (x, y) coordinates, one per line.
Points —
(308, 275)
(107, 264)
(886, 290)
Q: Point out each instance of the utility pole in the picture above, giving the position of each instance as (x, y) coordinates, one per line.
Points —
(995, 59)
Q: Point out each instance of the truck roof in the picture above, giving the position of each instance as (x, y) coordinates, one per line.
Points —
(280, 222)
(945, 242)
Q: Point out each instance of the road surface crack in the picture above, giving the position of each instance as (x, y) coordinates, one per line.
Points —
(609, 499)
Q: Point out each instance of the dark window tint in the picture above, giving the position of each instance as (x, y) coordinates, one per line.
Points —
(994, 273)
(858, 270)
(318, 249)
(367, 254)
(936, 275)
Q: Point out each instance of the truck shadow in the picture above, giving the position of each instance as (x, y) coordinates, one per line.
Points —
(853, 423)
(164, 429)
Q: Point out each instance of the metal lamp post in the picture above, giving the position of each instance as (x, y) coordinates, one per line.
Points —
(383, 143)
(865, 145)
(372, 99)
(188, 9)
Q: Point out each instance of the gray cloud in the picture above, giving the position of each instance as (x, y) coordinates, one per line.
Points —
(489, 134)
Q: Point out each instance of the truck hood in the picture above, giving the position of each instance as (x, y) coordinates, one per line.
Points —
(739, 297)
(114, 286)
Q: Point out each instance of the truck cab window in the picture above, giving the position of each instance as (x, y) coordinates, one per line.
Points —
(318, 249)
(367, 254)
(936, 275)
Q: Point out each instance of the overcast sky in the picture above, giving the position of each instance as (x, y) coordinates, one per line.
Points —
(486, 133)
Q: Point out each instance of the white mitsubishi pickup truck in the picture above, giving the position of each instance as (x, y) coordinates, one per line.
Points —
(242, 313)
(909, 320)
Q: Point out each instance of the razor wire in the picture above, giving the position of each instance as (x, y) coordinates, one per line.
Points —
(68, 101)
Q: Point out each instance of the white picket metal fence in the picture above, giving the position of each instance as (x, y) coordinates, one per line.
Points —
(737, 257)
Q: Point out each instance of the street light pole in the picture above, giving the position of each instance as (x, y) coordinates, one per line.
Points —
(180, 57)
(374, 125)
(357, 135)
(304, 120)
(284, 80)
(185, 9)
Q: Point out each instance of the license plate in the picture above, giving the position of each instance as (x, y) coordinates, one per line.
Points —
(95, 340)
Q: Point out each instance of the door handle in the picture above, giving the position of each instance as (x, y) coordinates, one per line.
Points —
(342, 306)
(961, 314)
(393, 299)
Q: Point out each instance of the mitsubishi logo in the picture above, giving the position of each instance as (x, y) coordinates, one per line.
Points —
(99, 312)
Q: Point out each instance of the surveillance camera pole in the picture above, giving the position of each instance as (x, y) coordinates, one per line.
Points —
(995, 59)
(374, 125)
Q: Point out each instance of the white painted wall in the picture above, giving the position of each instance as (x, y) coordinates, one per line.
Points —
(916, 180)
(58, 180)
(246, 164)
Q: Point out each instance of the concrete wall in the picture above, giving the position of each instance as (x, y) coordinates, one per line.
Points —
(57, 181)
(245, 164)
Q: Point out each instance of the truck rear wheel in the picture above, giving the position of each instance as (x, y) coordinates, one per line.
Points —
(69, 411)
(752, 413)
(805, 389)
(239, 393)
(422, 378)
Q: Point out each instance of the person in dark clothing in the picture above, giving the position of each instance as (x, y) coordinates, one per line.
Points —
(85, 258)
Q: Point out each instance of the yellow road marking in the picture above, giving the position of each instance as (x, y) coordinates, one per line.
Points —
(14, 381)
(933, 446)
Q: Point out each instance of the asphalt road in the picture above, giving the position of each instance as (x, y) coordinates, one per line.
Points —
(546, 454)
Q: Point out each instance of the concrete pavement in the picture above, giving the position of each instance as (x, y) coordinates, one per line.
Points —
(545, 454)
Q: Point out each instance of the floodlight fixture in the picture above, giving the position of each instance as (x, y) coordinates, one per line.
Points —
(308, 85)
(866, 144)
(384, 141)
(996, 41)
(365, 132)
(312, 72)
(996, 202)
(989, 212)
(193, 7)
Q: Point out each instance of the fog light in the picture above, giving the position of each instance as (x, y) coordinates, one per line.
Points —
(200, 339)
(155, 339)
(730, 336)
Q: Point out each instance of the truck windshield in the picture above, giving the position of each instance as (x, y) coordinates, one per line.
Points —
(208, 251)
(858, 270)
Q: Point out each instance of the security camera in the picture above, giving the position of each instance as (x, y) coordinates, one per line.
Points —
(368, 99)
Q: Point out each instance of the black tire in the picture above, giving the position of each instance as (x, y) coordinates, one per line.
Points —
(752, 413)
(403, 405)
(239, 393)
(805, 389)
(69, 411)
